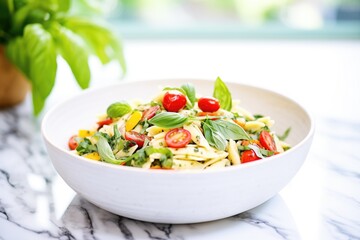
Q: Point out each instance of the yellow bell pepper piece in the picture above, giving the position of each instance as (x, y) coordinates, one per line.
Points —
(85, 133)
(93, 156)
(133, 120)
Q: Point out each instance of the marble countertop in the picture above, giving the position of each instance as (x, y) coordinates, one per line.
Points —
(321, 202)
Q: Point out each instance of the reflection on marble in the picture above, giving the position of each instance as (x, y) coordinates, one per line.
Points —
(36, 204)
(341, 183)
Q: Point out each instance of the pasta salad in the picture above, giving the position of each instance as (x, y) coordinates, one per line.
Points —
(178, 129)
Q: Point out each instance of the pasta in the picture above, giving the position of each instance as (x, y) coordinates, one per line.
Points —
(180, 130)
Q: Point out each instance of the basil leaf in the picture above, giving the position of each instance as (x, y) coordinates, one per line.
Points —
(213, 136)
(219, 140)
(73, 50)
(222, 93)
(168, 120)
(15, 52)
(260, 152)
(118, 109)
(41, 53)
(101, 41)
(106, 152)
(190, 92)
(285, 134)
(229, 130)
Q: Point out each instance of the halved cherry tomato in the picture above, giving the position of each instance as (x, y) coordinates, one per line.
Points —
(249, 156)
(173, 101)
(267, 141)
(150, 112)
(106, 121)
(136, 137)
(73, 144)
(208, 104)
(177, 138)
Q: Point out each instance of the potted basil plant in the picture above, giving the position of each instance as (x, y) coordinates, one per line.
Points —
(33, 33)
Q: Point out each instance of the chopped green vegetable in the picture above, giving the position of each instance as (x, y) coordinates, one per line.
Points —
(85, 146)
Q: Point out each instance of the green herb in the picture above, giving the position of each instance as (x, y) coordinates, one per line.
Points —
(222, 93)
(142, 155)
(190, 92)
(285, 134)
(260, 152)
(41, 56)
(105, 151)
(257, 116)
(214, 138)
(168, 120)
(166, 158)
(85, 146)
(35, 32)
(118, 109)
(229, 130)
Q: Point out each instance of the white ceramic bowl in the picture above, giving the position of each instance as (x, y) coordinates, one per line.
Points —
(175, 196)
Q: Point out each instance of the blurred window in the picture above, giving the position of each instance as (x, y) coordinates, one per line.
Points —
(235, 18)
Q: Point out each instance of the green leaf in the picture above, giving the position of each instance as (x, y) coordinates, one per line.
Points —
(285, 134)
(105, 151)
(101, 40)
(229, 130)
(73, 50)
(64, 5)
(85, 146)
(41, 53)
(16, 54)
(222, 93)
(168, 120)
(260, 152)
(190, 92)
(214, 137)
(118, 109)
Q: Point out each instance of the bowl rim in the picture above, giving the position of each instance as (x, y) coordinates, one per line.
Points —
(184, 171)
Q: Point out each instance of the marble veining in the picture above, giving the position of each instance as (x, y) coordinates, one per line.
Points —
(36, 204)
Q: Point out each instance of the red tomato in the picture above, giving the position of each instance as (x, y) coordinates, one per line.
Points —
(208, 104)
(106, 121)
(73, 143)
(249, 156)
(173, 101)
(136, 137)
(177, 138)
(150, 112)
(267, 141)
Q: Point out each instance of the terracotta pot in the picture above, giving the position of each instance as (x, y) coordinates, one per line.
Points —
(13, 85)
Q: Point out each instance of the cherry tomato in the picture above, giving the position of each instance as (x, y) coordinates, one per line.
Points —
(267, 141)
(208, 104)
(173, 101)
(249, 156)
(150, 112)
(73, 143)
(177, 138)
(136, 137)
(106, 121)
